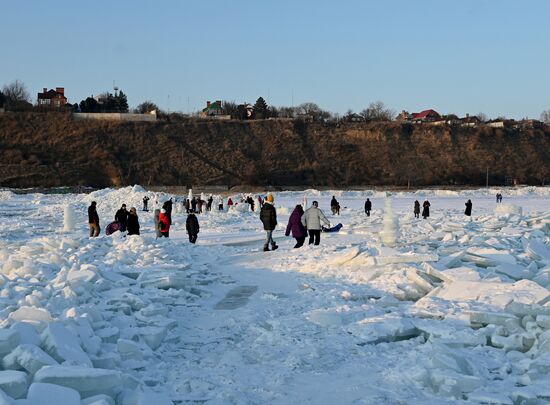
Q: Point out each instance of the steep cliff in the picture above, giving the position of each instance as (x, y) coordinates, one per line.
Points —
(52, 150)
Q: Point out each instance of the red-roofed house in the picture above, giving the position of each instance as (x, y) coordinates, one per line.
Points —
(426, 116)
(52, 98)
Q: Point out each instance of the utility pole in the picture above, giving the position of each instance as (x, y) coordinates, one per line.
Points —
(487, 178)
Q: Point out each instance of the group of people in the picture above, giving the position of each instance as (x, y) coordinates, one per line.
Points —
(425, 209)
(300, 224)
(128, 221)
(499, 197)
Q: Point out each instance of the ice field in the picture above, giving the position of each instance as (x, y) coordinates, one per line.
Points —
(456, 311)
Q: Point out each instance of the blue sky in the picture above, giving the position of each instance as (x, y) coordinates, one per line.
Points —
(460, 57)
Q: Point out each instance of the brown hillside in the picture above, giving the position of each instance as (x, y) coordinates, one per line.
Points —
(52, 150)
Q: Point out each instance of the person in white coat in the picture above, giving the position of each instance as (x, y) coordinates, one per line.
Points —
(312, 219)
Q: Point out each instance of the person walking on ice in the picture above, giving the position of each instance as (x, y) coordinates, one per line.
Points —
(468, 210)
(295, 226)
(416, 209)
(335, 206)
(145, 203)
(164, 223)
(312, 219)
(426, 209)
(93, 220)
(268, 216)
(368, 207)
(192, 226)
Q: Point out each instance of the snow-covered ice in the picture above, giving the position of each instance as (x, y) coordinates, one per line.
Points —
(431, 311)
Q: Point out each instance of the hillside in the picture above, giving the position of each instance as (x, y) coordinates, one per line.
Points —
(52, 150)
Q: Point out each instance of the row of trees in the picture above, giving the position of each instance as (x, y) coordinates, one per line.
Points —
(106, 102)
(15, 97)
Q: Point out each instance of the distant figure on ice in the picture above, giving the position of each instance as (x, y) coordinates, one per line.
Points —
(468, 210)
(368, 207)
(145, 203)
(168, 208)
(157, 222)
(499, 198)
(192, 226)
(121, 217)
(334, 206)
(260, 201)
(164, 223)
(133, 222)
(295, 226)
(416, 209)
(251, 202)
(229, 202)
(200, 203)
(209, 203)
(426, 209)
(194, 204)
(268, 216)
(312, 219)
(93, 220)
(187, 205)
(220, 203)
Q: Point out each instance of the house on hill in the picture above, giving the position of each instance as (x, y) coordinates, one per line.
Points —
(426, 116)
(52, 98)
(212, 109)
(421, 117)
(470, 121)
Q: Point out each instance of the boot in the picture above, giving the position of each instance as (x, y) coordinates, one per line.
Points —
(274, 247)
(266, 248)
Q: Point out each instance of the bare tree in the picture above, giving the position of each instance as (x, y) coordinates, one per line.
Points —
(16, 94)
(286, 112)
(377, 111)
(545, 116)
(146, 107)
(482, 117)
(313, 112)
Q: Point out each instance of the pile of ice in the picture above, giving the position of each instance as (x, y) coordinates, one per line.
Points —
(74, 329)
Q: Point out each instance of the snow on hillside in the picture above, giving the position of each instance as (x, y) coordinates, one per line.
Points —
(457, 310)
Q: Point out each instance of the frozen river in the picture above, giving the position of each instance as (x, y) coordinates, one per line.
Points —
(455, 312)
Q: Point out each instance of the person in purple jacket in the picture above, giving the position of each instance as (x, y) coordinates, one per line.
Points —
(295, 225)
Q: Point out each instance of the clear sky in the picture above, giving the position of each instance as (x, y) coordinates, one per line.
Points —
(466, 56)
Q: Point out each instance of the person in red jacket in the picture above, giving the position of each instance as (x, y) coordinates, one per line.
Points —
(164, 223)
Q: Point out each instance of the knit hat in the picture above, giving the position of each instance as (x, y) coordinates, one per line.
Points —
(163, 211)
(270, 198)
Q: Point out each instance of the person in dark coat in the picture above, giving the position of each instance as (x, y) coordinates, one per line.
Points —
(416, 209)
(168, 208)
(194, 205)
(145, 203)
(187, 205)
(368, 207)
(192, 226)
(209, 203)
(133, 222)
(334, 206)
(121, 217)
(295, 226)
(426, 209)
(468, 210)
(93, 220)
(268, 216)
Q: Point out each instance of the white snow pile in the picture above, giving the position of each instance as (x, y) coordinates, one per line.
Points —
(443, 310)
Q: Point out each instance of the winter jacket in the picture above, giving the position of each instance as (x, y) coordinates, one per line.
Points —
(164, 222)
(93, 218)
(334, 203)
(192, 224)
(368, 205)
(426, 209)
(295, 224)
(133, 225)
(122, 217)
(268, 216)
(468, 210)
(416, 207)
(312, 219)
